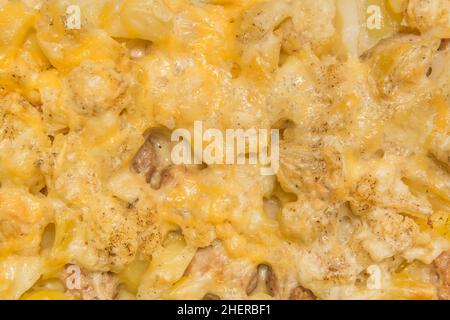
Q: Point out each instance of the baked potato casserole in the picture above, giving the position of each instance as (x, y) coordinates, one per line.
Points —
(93, 207)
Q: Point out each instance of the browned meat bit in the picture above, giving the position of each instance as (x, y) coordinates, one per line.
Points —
(444, 44)
(271, 281)
(213, 262)
(211, 296)
(264, 279)
(300, 293)
(90, 285)
(153, 158)
(442, 266)
(44, 191)
(145, 160)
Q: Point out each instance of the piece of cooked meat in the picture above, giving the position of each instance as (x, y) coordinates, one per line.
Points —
(442, 266)
(154, 157)
(300, 293)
